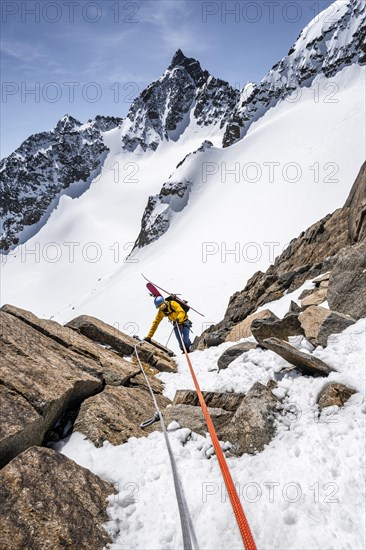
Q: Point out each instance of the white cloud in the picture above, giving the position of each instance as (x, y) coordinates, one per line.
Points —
(175, 24)
(23, 51)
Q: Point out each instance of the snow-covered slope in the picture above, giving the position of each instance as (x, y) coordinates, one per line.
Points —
(316, 149)
(333, 40)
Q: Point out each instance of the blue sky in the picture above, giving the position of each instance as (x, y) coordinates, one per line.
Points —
(87, 58)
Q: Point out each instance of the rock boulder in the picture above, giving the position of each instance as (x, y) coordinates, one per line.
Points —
(111, 336)
(253, 424)
(116, 414)
(333, 324)
(243, 329)
(314, 298)
(277, 328)
(49, 502)
(228, 401)
(190, 416)
(304, 362)
(334, 394)
(319, 323)
(233, 353)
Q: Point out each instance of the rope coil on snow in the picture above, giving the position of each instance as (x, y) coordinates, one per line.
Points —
(186, 523)
(243, 525)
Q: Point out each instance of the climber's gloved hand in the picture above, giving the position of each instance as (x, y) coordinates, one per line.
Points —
(147, 339)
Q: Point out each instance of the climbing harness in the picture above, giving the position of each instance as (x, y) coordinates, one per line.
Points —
(188, 533)
(243, 525)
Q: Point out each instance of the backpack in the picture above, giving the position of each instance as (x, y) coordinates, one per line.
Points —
(183, 304)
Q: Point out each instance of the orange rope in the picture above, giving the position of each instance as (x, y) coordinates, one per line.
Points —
(245, 531)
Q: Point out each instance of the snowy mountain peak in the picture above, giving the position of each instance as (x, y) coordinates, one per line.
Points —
(44, 167)
(185, 94)
(330, 42)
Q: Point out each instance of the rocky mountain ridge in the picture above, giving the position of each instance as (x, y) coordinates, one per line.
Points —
(173, 197)
(45, 166)
(315, 251)
(332, 41)
(67, 158)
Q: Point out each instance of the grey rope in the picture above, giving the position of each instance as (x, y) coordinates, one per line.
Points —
(170, 335)
(186, 523)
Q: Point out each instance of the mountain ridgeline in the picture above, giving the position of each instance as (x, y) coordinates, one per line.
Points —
(67, 158)
(44, 167)
(330, 42)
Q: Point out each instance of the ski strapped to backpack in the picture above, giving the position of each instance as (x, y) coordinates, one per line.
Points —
(154, 290)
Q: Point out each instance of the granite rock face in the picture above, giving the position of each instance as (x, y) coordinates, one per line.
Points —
(356, 203)
(314, 253)
(115, 414)
(45, 378)
(49, 502)
(48, 371)
(21, 426)
(113, 369)
(347, 282)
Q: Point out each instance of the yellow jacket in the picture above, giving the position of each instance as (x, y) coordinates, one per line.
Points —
(175, 312)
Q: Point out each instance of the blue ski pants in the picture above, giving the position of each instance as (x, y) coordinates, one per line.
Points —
(185, 335)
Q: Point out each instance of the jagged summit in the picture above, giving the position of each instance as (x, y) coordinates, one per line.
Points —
(67, 124)
(191, 65)
(184, 94)
(178, 59)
